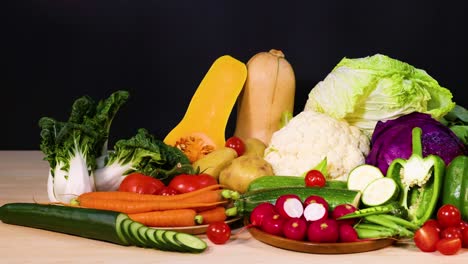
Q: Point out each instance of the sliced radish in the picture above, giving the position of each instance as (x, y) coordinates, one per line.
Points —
(315, 212)
(289, 206)
(316, 199)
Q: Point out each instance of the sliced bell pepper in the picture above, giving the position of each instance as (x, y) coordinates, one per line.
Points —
(455, 189)
(420, 180)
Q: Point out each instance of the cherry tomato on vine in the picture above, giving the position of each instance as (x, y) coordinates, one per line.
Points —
(448, 215)
(449, 246)
(426, 238)
(434, 223)
(167, 191)
(218, 232)
(140, 183)
(236, 144)
(451, 232)
(315, 178)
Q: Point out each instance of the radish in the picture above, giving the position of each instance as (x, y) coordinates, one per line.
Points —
(295, 228)
(316, 199)
(273, 224)
(347, 233)
(315, 212)
(325, 231)
(289, 206)
(260, 212)
(344, 209)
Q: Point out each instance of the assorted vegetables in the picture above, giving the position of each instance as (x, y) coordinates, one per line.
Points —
(378, 152)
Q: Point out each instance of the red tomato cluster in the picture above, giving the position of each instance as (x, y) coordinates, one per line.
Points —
(447, 234)
(140, 183)
(308, 220)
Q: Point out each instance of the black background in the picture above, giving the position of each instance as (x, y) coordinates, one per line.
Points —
(56, 51)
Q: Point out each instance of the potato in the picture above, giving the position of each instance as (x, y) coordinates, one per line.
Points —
(254, 146)
(215, 161)
(243, 170)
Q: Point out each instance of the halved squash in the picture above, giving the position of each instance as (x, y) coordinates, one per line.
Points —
(203, 127)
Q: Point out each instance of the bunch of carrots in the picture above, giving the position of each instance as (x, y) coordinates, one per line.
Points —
(202, 206)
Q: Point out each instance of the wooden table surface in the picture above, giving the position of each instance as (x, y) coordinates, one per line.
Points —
(23, 177)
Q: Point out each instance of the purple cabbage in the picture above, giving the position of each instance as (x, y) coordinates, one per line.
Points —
(392, 139)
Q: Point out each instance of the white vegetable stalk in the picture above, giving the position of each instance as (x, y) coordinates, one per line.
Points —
(66, 185)
(108, 178)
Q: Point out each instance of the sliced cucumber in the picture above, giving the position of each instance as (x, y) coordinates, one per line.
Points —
(118, 223)
(362, 175)
(133, 229)
(150, 235)
(159, 236)
(190, 243)
(379, 192)
(168, 236)
(125, 229)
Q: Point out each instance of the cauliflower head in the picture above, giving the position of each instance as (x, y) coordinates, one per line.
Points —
(311, 136)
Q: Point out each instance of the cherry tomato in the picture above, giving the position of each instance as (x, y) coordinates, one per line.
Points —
(218, 232)
(168, 191)
(315, 178)
(426, 238)
(463, 224)
(465, 237)
(448, 215)
(449, 246)
(184, 183)
(450, 232)
(434, 223)
(237, 144)
(140, 183)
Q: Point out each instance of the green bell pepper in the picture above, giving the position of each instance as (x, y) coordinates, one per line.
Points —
(455, 188)
(420, 180)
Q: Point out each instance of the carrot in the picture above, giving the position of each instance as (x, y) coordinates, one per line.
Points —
(131, 207)
(167, 218)
(216, 214)
(131, 196)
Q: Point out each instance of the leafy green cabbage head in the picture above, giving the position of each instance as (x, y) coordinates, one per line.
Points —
(378, 88)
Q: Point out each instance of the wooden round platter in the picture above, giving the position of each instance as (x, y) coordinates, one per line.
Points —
(201, 229)
(318, 248)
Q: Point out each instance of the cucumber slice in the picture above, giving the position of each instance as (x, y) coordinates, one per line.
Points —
(159, 236)
(191, 243)
(379, 192)
(133, 229)
(118, 226)
(155, 243)
(362, 175)
(125, 228)
(141, 232)
(168, 236)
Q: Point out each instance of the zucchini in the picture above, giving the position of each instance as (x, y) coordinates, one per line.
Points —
(379, 192)
(269, 182)
(104, 225)
(362, 175)
(249, 200)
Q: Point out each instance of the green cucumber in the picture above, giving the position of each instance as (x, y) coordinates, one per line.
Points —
(269, 182)
(380, 191)
(96, 224)
(249, 200)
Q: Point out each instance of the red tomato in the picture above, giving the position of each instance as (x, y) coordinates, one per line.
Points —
(168, 191)
(449, 246)
(433, 222)
(218, 232)
(140, 183)
(451, 232)
(426, 238)
(448, 215)
(465, 237)
(463, 224)
(315, 178)
(237, 144)
(184, 183)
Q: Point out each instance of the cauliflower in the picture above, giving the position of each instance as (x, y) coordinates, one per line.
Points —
(308, 138)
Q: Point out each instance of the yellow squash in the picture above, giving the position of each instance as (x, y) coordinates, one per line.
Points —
(268, 93)
(203, 126)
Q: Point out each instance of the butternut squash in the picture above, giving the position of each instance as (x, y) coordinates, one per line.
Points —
(268, 93)
(202, 129)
